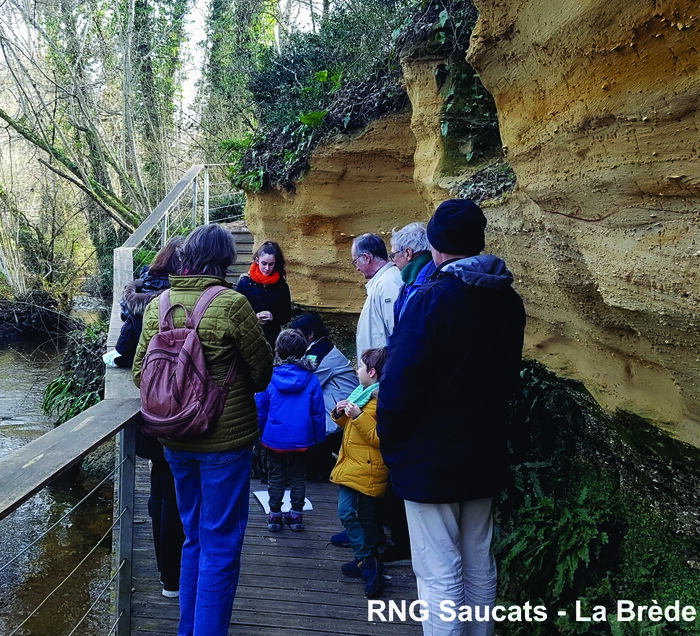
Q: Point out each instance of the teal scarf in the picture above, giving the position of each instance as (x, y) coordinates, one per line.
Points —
(361, 395)
(410, 272)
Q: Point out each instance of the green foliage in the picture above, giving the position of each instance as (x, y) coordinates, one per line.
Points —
(6, 290)
(574, 527)
(81, 383)
(336, 78)
(552, 545)
(347, 73)
(314, 118)
(469, 119)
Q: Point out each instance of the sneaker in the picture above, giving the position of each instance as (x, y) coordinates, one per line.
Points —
(352, 568)
(341, 540)
(396, 556)
(171, 593)
(274, 521)
(294, 521)
(372, 574)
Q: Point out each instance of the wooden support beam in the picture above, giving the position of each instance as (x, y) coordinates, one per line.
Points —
(26, 471)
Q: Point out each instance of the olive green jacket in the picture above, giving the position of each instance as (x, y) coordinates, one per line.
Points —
(229, 327)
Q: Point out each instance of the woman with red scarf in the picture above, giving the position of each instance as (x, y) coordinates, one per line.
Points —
(265, 287)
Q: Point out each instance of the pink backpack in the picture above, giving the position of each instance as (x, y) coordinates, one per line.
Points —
(179, 399)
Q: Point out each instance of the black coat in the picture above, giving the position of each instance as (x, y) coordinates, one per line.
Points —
(274, 298)
(137, 294)
(453, 362)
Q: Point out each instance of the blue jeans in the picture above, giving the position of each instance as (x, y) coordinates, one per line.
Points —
(212, 496)
(358, 515)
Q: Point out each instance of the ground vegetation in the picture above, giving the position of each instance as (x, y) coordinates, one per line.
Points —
(595, 514)
(335, 79)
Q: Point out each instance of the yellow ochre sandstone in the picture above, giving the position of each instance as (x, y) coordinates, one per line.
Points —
(599, 109)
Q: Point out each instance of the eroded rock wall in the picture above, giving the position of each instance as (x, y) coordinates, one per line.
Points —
(598, 108)
(357, 184)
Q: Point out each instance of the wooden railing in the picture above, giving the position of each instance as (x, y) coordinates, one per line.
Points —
(28, 470)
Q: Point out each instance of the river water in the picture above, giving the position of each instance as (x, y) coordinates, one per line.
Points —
(25, 370)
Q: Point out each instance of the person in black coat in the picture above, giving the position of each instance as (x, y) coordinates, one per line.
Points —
(265, 287)
(168, 535)
(453, 362)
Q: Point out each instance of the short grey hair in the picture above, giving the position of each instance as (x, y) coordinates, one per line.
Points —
(371, 244)
(412, 235)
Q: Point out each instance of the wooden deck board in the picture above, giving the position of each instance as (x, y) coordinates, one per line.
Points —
(290, 583)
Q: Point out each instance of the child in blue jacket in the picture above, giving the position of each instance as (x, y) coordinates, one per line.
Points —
(292, 418)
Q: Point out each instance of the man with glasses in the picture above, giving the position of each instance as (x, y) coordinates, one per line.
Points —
(370, 258)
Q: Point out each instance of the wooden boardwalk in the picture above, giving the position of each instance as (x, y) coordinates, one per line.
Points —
(290, 582)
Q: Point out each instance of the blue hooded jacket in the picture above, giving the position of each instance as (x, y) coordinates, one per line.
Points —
(291, 411)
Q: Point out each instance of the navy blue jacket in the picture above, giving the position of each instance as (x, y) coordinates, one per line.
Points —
(409, 289)
(453, 362)
(291, 411)
(274, 298)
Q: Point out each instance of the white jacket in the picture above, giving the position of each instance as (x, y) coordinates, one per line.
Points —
(377, 318)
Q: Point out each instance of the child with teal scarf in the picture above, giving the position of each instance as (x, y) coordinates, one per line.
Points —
(360, 471)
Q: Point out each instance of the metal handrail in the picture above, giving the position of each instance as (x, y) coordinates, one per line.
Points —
(172, 215)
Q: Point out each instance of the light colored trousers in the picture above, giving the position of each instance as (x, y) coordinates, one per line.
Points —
(453, 561)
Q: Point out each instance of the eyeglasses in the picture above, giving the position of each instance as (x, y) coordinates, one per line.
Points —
(392, 255)
(359, 256)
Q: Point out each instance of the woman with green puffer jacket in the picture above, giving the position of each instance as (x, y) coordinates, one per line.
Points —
(212, 473)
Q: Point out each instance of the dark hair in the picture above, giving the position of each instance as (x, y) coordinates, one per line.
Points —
(291, 343)
(209, 249)
(371, 244)
(308, 323)
(270, 247)
(375, 359)
(167, 260)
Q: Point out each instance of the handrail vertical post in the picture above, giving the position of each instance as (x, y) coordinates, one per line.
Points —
(164, 229)
(205, 195)
(194, 202)
(125, 507)
(123, 269)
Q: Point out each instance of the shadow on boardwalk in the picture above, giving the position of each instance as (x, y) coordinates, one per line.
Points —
(290, 582)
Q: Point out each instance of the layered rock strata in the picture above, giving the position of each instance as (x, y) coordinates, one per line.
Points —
(357, 184)
(598, 109)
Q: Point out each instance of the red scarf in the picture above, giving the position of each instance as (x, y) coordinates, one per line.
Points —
(259, 277)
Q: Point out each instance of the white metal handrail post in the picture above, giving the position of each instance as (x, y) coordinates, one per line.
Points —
(194, 203)
(205, 195)
(164, 229)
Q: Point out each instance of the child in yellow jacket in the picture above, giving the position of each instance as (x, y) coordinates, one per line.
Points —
(360, 471)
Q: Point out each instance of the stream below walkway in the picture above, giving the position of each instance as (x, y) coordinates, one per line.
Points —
(25, 370)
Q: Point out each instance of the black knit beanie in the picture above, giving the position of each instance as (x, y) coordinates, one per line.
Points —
(457, 227)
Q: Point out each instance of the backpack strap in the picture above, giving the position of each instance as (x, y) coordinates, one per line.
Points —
(165, 320)
(202, 304)
(193, 319)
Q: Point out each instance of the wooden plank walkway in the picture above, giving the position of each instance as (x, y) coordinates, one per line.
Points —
(290, 582)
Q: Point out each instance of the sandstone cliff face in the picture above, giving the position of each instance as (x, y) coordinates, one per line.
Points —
(598, 111)
(356, 184)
